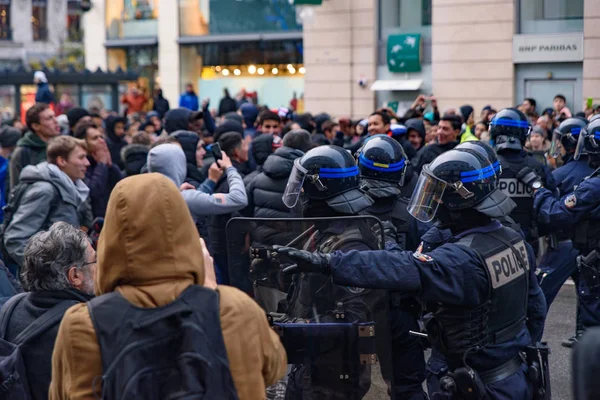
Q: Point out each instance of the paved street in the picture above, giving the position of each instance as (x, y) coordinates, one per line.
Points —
(560, 324)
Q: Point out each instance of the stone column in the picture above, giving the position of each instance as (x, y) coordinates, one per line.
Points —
(339, 48)
(591, 51)
(168, 50)
(472, 53)
(94, 36)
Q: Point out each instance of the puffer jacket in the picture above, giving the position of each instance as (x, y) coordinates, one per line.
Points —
(150, 268)
(266, 191)
(35, 211)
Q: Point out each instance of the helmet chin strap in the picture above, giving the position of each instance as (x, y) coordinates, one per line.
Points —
(460, 220)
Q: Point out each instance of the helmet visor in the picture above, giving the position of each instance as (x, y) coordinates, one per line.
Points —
(294, 185)
(427, 196)
(556, 144)
(580, 149)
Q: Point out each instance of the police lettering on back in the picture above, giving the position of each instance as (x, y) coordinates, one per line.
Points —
(513, 187)
(504, 267)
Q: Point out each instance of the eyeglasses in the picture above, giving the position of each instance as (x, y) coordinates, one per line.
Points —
(89, 263)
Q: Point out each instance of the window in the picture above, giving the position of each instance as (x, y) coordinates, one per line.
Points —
(39, 20)
(74, 31)
(5, 28)
(217, 17)
(127, 19)
(550, 16)
(401, 16)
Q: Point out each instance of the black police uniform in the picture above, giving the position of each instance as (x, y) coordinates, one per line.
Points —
(486, 306)
(383, 164)
(329, 182)
(509, 130)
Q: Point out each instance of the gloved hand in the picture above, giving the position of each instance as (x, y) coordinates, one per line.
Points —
(305, 260)
(530, 178)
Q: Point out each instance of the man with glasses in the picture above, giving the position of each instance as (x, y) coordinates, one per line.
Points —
(58, 271)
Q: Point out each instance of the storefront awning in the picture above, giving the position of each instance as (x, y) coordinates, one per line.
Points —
(401, 85)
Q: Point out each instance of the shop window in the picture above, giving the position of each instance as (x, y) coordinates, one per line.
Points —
(74, 31)
(39, 20)
(7, 101)
(132, 18)
(97, 96)
(550, 16)
(401, 16)
(5, 28)
(217, 17)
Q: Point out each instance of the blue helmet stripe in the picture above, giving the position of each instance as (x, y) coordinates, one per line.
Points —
(338, 173)
(597, 135)
(476, 172)
(509, 122)
(496, 166)
(365, 162)
(575, 131)
(482, 175)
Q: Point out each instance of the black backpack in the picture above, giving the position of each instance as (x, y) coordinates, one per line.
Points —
(13, 376)
(14, 200)
(171, 352)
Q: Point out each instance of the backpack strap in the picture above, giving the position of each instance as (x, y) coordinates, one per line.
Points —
(7, 310)
(45, 321)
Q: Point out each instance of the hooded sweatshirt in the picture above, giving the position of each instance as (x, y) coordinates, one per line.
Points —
(115, 143)
(40, 208)
(169, 160)
(150, 268)
(30, 150)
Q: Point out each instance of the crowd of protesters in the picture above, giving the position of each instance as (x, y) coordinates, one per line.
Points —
(63, 174)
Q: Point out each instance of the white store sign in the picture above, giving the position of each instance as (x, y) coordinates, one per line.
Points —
(547, 48)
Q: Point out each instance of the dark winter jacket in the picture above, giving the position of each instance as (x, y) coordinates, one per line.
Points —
(37, 354)
(428, 153)
(43, 94)
(161, 105)
(30, 150)
(115, 143)
(227, 104)
(217, 223)
(101, 179)
(266, 190)
(134, 158)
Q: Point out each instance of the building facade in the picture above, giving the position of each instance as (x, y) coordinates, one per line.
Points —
(32, 32)
(478, 52)
(250, 46)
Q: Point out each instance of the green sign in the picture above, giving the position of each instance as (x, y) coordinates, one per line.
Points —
(308, 2)
(404, 53)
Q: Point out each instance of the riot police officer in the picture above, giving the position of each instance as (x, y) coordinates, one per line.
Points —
(560, 260)
(383, 164)
(578, 214)
(325, 183)
(486, 306)
(509, 131)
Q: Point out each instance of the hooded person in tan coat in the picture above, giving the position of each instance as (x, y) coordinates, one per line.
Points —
(149, 251)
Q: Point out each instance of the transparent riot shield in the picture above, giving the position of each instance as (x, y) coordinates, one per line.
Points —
(337, 337)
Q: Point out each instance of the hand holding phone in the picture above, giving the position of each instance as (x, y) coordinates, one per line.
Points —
(215, 149)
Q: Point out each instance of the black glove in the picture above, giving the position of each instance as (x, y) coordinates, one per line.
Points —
(305, 260)
(530, 178)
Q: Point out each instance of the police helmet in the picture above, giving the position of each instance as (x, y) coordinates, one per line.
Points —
(459, 180)
(327, 173)
(589, 139)
(509, 129)
(567, 135)
(382, 158)
(485, 150)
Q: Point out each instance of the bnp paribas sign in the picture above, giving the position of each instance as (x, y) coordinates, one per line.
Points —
(547, 48)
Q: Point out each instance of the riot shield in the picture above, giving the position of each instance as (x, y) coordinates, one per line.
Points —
(336, 337)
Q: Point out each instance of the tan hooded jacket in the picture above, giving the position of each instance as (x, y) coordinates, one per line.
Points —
(149, 251)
